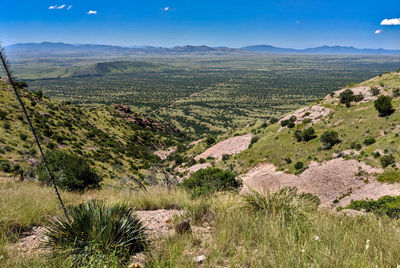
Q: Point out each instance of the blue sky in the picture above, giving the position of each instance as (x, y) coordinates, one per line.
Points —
(234, 23)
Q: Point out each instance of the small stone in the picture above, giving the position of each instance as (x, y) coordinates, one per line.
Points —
(200, 259)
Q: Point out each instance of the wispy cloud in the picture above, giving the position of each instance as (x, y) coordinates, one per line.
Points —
(60, 7)
(378, 31)
(92, 12)
(166, 9)
(391, 22)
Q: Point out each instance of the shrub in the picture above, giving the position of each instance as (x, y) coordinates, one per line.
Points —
(273, 120)
(284, 123)
(355, 146)
(375, 91)
(288, 160)
(254, 140)
(70, 171)
(298, 135)
(387, 205)
(3, 115)
(298, 165)
(346, 97)
(307, 120)
(396, 92)
(7, 126)
(210, 180)
(5, 165)
(387, 160)
(226, 157)
(23, 136)
(369, 141)
(384, 106)
(309, 134)
(210, 140)
(96, 235)
(329, 139)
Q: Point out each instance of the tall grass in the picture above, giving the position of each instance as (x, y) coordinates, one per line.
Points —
(249, 238)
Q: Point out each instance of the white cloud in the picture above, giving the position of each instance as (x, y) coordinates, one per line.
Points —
(92, 12)
(391, 22)
(166, 8)
(60, 7)
(378, 31)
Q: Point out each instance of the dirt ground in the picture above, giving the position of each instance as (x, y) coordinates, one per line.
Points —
(229, 146)
(337, 179)
(314, 113)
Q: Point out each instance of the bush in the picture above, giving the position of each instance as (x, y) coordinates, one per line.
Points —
(387, 205)
(396, 92)
(387, 160)
(210, 140)
(70, 171)
(346, 97)
(290, 123)
(355, 146)
(210, 180)
(384, 106)
(96, 235)
(309, 134)
(369, 141)
(329, 139)
(375, 91)
(5, 165)
(23, 136)
(273, 120)
(298, 165)
(226, 157)
(254, 140)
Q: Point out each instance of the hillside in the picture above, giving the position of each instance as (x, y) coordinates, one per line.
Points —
(117, 141)
(348, 170)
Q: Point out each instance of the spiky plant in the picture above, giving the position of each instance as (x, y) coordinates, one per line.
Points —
(96, 235)
(287, 202)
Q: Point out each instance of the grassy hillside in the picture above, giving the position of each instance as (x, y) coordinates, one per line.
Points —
(354, 125)
(116, 140)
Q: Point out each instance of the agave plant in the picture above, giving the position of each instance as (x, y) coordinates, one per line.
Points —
(96, 235)
(287, 202)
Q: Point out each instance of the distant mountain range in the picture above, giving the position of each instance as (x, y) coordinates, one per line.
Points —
(62, 49)
(319, 50)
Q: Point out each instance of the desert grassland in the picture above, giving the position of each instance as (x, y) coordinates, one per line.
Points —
(353, 124)
(205, 93)
(241, 237)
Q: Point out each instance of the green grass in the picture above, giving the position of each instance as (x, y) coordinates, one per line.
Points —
(390, 176)
(239, 237)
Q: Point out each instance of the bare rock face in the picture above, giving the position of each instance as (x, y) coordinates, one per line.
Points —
(183, 227)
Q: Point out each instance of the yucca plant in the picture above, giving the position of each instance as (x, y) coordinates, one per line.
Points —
(287, 202)
(96, 235)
